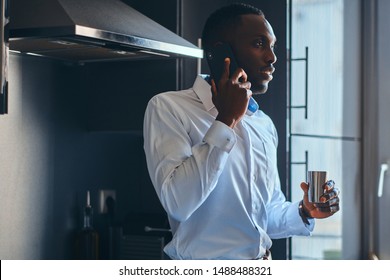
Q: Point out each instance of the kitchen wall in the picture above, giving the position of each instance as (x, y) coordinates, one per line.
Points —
(70, 129)
(73, 128)
(30, 139)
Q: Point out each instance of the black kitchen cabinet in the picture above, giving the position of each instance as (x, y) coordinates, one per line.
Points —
(116, 97)
(118, 92)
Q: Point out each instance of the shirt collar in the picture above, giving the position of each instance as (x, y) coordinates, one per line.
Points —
(203, 90)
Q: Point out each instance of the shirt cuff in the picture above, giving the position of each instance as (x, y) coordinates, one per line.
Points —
(297, 225)
(221, 136)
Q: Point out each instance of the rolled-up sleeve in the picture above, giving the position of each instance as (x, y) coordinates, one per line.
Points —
(284, 220)
(183, 173)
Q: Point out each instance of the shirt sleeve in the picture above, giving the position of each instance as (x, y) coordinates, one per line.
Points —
(283, 216)
(284, 219)
(183, 173)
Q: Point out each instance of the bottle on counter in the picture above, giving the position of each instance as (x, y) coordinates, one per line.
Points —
(88, 239)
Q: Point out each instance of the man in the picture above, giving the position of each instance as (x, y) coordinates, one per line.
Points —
(213, 167)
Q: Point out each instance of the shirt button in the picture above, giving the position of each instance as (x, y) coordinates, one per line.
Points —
(254, 177)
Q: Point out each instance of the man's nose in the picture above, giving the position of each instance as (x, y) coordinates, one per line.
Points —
(271, 56)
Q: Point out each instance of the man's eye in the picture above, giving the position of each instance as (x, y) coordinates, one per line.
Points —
(259, 43)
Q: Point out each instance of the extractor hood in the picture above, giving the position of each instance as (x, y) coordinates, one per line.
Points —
(91, 30)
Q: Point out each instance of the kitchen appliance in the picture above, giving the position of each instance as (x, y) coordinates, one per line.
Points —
(91, 30)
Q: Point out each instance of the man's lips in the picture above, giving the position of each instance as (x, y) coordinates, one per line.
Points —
(266, 73)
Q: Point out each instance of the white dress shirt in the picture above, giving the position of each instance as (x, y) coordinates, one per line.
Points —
(219, 186)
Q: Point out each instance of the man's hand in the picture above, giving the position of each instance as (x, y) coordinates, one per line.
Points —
(232, 97)
(329, 202)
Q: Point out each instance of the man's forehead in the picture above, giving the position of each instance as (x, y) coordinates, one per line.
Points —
(255, 25)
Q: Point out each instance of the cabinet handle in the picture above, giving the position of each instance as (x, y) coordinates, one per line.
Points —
(305, 162)
(306, 59)
(199, 61)
(149, 229)
(384, 168)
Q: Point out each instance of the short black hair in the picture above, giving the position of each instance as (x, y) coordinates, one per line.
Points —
(224, 19)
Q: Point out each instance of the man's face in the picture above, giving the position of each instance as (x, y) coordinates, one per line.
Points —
(253, 43)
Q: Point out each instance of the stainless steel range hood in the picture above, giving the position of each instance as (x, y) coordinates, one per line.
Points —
(91, 30)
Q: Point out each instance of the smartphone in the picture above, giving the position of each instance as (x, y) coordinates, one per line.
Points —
(216, 60)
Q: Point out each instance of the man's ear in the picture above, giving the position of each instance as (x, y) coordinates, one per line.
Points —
(213, 45)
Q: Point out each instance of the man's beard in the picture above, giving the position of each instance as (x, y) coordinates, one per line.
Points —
(259, 89)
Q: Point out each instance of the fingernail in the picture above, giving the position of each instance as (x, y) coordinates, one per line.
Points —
(330, 183)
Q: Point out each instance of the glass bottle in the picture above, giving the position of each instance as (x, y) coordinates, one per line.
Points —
(88, 240)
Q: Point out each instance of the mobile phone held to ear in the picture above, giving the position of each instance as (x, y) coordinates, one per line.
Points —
(216, 60)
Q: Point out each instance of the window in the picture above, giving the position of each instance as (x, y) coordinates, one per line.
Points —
(324, 118)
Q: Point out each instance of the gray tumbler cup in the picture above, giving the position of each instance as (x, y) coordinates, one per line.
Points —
(316, 181)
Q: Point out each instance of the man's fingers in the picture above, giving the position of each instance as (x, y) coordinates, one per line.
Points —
(329, 209)
(239, 76)
(329, 185)
(247, 85)
(305, 187)
(213, 87)
(226, 72)
(330, 195)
